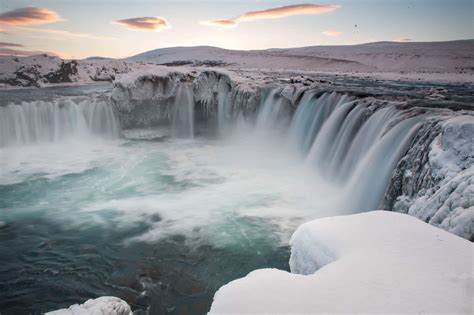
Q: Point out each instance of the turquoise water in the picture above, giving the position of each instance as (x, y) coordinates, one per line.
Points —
(162, 224)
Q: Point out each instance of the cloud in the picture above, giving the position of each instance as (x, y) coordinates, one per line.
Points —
(332, 33)
(63, 33)
(404, 40)
(150, 24)
(29, 16)
(221, 23)
(274, 13)
(5, 44)
(5, 51)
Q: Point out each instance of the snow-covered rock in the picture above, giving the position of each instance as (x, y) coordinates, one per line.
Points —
(43, 70)
(104, 305)
(144, 98)
(375, 262)
(435, 181)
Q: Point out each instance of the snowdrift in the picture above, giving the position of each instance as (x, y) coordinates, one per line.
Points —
(379, 261)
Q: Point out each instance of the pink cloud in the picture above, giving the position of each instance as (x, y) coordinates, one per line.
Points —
(29, 16)
(404, 40)
(332, 33)
(153, 24)
(274, 13)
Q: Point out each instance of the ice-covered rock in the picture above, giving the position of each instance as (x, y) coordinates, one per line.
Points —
(43, 70)
(144, 99)
(375, 262)
(434, 181)
(104, 305)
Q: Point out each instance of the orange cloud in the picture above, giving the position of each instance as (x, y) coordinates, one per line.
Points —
(404, 40)
(29, 16)
(150, 24)
(274, 13)
(332, 33)
(221, 23)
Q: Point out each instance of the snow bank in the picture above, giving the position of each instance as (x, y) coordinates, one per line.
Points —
(105, 305)
(380, 261)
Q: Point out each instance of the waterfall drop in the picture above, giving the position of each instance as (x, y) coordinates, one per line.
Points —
(182, 119)
(49, 121)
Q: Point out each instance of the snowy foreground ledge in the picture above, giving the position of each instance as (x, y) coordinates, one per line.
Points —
(105, 305)
(380, 261)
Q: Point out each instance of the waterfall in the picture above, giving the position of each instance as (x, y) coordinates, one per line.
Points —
(274, 112)
(40, 121)
(309, 117)
(345, 143)
(224, 106)
(372, 174)
(182, 119)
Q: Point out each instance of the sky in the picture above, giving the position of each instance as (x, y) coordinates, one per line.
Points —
(118, 29)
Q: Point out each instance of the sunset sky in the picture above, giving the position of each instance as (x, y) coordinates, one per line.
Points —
(82, 28)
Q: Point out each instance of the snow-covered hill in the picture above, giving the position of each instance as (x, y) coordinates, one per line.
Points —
(455, 57)
(431, 61)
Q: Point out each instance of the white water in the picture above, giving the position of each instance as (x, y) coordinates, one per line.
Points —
(344, 145)
(274, 113)
(40, 121)
(202, 189)
(182, 119)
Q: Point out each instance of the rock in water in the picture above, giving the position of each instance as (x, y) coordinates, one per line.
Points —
(104, 305)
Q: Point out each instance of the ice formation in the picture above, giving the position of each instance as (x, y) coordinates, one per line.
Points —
(105, 305)
(374, 262)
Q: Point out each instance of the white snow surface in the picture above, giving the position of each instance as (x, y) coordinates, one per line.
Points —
(374, 262)
(431, 61)
(104, 305)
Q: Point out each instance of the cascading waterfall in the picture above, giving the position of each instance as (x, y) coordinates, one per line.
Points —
(182, 119)
(42, 121)
(224, 105)
(274, 112)
(345, 143)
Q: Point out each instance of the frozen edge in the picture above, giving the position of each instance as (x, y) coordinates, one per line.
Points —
(105, 305)
(379, 261)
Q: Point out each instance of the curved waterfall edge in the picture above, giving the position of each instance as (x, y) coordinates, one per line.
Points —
(385, 154)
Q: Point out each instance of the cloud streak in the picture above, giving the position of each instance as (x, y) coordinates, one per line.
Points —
(332, 33)
(6, 44)
(148, 24)
(63, 33)
(404, 40)
(29, 16)
(274, 13)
